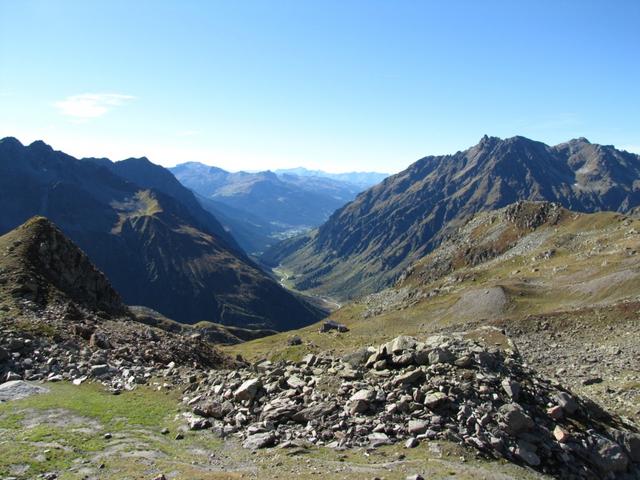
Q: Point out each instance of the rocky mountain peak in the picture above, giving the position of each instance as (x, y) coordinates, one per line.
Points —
(45, 264)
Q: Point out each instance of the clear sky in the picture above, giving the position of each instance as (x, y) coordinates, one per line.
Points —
(339, 85)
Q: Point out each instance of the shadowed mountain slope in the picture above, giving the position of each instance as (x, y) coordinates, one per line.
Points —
(370, 241)
(157, 251)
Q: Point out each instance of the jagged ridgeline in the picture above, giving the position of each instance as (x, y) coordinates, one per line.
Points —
(148, 234)
(368, 243)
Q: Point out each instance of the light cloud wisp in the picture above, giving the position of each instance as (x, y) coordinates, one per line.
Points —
(91, 105)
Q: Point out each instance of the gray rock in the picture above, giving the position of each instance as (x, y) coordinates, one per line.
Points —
(296, 382)
(440, 355)
(377, 439)
(401, 343)
(360, 402)
(515, 419)
(528, 456)
(416, 427)
(332, 325)
(259, 440)
(631, 443)
(412, 442)
(99, 370)
(316, 411)
(511, 388)
(435, 399)
(609, 456)
(409, 378)
(248, 390)
(567, 402)
(18, 389)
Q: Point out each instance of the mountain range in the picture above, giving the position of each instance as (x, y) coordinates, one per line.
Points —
(148, 234)
(362, 180)
(262, 208)
(369, 242)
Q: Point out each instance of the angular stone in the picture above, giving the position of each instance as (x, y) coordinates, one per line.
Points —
(314, 412)
(631, 443)
(296, 382)
(464, 361)
(515, 419)
(259, 440)
(416, 427)
(609, 456)
(209, 409)
(421, 357)
(440, 355)
(560, 434)
(528, 456)
(98, 370)
(248, 390)
(409, 378)
(378, 439)
(199, 424)
(402, 360)
(511, 388)
(412, 442)
(435, 399)
(555, 412)
(567, 402)
(401, 343)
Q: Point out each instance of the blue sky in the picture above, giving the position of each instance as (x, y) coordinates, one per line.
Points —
(344, 85)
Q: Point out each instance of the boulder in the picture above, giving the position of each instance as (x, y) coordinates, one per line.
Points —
(416, 427)
(316, 411)
(400, 344)
(567, 402)
(410, 378)
(259, 440)
(440, 355)
(514, 419)
(609, 456)
(248, 390)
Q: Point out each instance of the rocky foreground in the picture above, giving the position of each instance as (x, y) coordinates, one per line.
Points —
(457, 388)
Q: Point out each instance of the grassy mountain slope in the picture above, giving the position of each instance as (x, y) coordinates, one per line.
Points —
(368, 243)
(565, 285)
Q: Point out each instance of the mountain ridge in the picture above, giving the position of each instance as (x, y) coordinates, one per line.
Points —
(368, 242)
(151, 245)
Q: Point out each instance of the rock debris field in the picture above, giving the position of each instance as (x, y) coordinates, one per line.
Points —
(450, 387)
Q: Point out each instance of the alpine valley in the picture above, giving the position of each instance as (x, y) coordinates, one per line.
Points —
(484, 324)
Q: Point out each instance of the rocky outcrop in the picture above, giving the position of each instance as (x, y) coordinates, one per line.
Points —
(41, 263)
(455, 387)
(119, 354)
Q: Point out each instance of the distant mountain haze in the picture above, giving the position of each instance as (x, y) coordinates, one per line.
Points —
(148, 234)
(261, 208)
(366, 244)
(362, 180)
